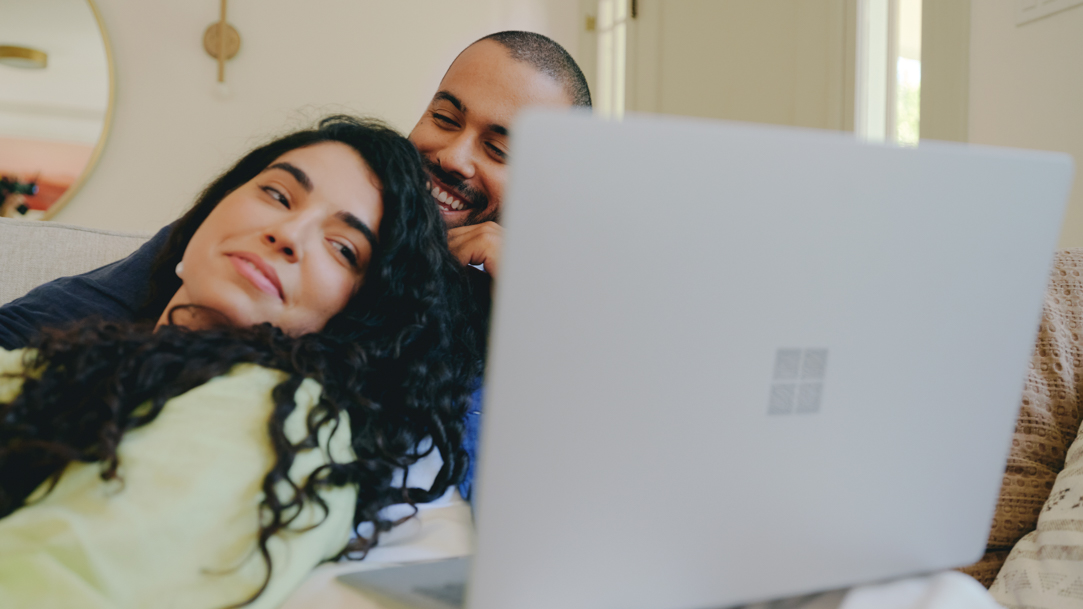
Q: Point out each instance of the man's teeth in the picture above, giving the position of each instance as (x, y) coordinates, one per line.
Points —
(446, 199)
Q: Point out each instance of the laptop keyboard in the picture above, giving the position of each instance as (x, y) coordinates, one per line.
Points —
(451, 593)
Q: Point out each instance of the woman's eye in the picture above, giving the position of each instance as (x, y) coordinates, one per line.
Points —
(346, 252)
(276, 195)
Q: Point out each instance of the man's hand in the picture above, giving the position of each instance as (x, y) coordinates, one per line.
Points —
(477, 244)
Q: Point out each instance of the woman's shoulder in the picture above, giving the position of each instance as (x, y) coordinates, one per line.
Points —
(246, 386)
(244, 379)
(240, 402)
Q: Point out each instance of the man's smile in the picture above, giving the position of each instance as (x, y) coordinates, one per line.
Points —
(453, 195)
(447, 198)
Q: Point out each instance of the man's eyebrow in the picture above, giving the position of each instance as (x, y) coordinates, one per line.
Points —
(357, 224)
(299, 175)
(455, 101)
(451, 99)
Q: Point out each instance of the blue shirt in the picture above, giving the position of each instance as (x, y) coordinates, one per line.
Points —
(470, 443)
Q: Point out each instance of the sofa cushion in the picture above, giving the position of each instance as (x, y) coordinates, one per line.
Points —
(33, 253)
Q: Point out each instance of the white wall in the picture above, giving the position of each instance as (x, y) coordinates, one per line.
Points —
(299, 60)
(1026, 88)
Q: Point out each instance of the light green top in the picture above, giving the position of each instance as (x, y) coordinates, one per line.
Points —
(180, 530)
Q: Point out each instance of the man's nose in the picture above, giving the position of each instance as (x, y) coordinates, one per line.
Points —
(458, 156)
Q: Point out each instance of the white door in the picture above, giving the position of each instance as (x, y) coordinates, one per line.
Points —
(786, 62)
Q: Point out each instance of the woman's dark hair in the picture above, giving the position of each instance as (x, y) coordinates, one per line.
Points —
(398, 359)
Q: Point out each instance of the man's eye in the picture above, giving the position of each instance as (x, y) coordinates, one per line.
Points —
(497, 152)
(277, 196)
(444, 120)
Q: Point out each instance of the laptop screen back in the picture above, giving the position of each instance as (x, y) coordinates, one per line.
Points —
(732, 363)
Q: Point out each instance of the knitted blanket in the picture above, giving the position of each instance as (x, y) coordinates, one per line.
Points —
(1049, 420)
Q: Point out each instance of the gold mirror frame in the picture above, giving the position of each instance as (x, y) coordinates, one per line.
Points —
(107, 121)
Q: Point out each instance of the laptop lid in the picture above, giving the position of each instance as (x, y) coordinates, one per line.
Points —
(732, 362)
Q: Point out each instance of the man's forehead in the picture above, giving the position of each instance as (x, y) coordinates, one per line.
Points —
(483, 52)
(486, 75)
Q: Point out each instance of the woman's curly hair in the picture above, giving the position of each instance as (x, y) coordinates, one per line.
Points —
(399, 359)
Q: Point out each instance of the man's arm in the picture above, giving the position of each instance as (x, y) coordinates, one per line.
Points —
(114, 292)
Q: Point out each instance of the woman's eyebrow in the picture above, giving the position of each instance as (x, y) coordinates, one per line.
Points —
(357, 224)
(299, 175)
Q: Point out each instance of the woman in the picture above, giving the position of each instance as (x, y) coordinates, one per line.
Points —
(301, 344)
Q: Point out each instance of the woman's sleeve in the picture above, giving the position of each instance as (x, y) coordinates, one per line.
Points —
(11, 363)
(179, 528)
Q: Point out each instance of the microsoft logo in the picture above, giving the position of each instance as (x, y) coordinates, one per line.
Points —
(798, 381)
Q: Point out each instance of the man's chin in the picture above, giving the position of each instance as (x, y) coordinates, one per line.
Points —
(455, 218)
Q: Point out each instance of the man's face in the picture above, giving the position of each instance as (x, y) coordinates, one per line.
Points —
(463, 135)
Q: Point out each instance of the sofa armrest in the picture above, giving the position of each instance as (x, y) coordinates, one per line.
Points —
(33, 253)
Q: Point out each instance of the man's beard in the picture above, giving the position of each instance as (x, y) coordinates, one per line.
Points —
(479, 203)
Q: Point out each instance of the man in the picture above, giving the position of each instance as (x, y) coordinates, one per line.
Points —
(463, 138)
(463, 135)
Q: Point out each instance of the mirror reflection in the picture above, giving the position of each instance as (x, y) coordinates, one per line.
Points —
(54, 102)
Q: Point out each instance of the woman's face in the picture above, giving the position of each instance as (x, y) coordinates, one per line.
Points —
(289, 247)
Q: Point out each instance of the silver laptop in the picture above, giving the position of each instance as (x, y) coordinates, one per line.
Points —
(732, 363)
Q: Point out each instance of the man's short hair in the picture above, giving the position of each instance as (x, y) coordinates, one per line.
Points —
(548, 57)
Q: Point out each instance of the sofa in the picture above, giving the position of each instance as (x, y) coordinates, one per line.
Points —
(32, 253)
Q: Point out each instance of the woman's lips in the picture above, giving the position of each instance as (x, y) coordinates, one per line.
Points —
(255, 270)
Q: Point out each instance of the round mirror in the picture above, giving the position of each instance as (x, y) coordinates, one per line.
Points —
(56, 100)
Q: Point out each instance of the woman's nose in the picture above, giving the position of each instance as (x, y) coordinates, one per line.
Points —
(279, 241)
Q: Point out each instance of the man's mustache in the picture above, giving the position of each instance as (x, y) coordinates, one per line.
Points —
(474, 198)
